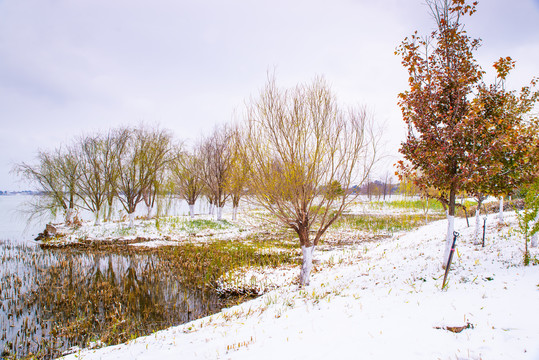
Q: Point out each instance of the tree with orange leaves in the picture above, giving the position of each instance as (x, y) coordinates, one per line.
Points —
(453, 141)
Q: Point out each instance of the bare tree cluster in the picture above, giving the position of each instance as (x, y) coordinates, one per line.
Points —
(133, 165)
(126, 164)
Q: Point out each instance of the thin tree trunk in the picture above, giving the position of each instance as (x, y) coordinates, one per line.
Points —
(500, 216)
(427, 212)
(234, 213)
(109, 212)
(192, 210)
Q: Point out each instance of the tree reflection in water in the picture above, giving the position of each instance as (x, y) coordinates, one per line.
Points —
(53, 299)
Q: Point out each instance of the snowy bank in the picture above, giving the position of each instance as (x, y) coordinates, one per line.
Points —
(162, 231)
(384, 302)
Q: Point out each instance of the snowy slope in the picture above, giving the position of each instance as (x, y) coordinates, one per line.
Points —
(384, 302)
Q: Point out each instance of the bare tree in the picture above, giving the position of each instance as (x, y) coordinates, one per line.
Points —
(144, 156)
(217, 158)
(239, 172)
(55, 175)
(306, 153)
(114, 145)
(185, 170)
(387, 184)
(157, 155)
(92, 187)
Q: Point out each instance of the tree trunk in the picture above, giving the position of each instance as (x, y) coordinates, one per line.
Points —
(192, 210)
(450, 227)
(427, 212)
(219, 213)
(109, 212)
(97, 218)
(234, 213)
(149, 213)
(131, 219)
(533, 242)
(449, 238)
(477, 227)
(69, 216)
(500, 216)
(306, 265)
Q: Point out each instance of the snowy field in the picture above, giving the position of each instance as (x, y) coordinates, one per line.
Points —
(376, 300)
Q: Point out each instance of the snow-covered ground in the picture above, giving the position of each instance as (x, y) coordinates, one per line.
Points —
(168, 230)
(376, 300)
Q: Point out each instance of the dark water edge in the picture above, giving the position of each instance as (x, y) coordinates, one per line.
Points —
(53, 299)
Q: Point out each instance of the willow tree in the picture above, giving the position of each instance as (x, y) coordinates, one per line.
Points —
(157, 154)
(185, 172)
(305, 154)
(92, 187)
(216, 163)
(238, 175)
(56, 175)
(144, 156)
(114, 143)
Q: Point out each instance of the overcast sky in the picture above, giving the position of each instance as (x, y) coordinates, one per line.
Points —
(69, 67)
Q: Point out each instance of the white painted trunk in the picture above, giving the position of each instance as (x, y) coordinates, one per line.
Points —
(534, 240)
(307, 265)
(69, 216)
(211, 209)
(149, 213)
(97, 219)
(427, 213)
(192, 211)
(219, 213)
(477, 227)
(448, 239)
(500, 216)
(234, 213)
(131, 219)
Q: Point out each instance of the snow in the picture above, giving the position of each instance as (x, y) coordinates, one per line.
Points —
(375, 300)
(154, 232)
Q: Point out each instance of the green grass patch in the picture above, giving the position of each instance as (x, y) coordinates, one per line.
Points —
(200, 265)
(384, 223)
(191, 225)
(419, 204)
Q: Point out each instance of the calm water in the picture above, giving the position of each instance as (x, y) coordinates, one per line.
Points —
(53, 299)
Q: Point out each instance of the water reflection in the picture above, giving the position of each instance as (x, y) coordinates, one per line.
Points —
(54, 299)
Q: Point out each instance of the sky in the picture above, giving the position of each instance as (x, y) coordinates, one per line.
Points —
(72, 67)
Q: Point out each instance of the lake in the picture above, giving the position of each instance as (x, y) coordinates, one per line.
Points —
(54, 299)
